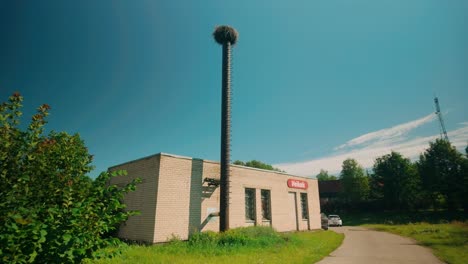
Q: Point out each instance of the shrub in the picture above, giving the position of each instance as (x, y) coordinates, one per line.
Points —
(50, 211)
(233, 238)
(204, 239)
(242, 236)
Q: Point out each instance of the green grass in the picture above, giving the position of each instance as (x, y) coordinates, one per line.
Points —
(241, 245)
(449, 242)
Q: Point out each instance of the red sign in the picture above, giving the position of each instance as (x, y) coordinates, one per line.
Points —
(298, 184)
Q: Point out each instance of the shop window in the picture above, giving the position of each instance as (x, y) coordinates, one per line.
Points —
(266, 203)
(304, 206)
(249, 204)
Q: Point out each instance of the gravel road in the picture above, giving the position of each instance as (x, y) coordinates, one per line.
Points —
(366, 246)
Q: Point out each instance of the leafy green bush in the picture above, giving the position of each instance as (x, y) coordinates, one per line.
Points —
(208, 238)
(50, 211)
(233, 238)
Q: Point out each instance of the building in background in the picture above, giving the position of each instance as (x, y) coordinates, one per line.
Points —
(329, 192)
(180, 195)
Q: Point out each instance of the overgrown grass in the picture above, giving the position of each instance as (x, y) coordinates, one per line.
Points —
(241, 245)
(449, 242)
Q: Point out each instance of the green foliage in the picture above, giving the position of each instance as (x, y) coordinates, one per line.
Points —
(204, 239)
(399, 181)
(439, 178)
(355, 183)
(240, 245)
(405, 217)
(50, 211)
(444, 171)
(252, 236)
(257, 164)
(324, 176)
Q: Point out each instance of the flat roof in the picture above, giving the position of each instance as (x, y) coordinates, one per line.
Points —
(209, 161)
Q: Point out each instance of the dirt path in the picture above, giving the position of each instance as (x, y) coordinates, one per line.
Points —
(365, 246)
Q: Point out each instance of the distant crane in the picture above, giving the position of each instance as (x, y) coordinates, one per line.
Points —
(443, 132)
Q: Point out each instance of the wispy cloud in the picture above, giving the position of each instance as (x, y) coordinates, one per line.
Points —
(367, 147)
(388, 133)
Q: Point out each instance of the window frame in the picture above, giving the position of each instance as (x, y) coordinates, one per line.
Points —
(304, 206)
(250, 206)
(266, 214)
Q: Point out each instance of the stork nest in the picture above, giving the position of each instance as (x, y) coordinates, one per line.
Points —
(224, 34)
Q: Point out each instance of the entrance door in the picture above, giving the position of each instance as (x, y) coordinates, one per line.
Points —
(292, 210)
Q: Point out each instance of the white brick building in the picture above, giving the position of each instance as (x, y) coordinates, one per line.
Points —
(178, 196)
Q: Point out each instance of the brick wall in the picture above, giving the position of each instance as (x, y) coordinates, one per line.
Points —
(140, 227)
(174, 208)
(282, 208)
(182, 201)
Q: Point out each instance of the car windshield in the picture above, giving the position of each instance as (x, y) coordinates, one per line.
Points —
(334, 216)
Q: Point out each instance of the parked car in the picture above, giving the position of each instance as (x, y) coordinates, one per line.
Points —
(334, 220)
(324, 221)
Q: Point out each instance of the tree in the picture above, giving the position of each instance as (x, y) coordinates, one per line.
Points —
(225, 36)
(324, 176)
(465, 180)
(257, 164)
(443, 173)
(355, 183)
(50, 211)
(239, 162)
(376, 192)
(399, 181)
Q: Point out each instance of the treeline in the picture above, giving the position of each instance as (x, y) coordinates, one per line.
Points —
(257, 164)
(437, 180)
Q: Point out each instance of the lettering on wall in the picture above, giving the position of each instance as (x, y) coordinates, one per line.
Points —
(297, 184)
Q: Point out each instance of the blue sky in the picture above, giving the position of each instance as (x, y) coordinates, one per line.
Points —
(314, 82)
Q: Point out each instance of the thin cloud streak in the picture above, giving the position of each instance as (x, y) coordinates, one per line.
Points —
(366, 156)
(388, 133)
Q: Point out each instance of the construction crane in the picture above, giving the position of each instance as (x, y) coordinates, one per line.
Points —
(443, 132)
